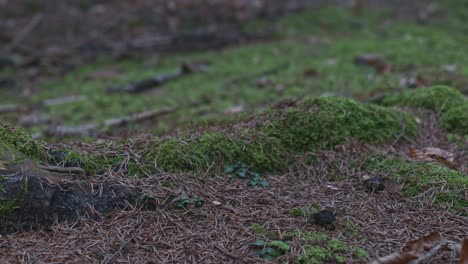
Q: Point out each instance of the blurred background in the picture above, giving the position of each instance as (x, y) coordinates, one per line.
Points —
(87, 69)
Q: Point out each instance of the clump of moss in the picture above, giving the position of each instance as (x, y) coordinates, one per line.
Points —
(437, 98)
(418, 177)
(324, 122)
(15, 140)
(455, 119)
(445, 99)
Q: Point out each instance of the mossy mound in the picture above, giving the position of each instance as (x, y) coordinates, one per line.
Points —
(15, 140)
(445, 99)
(437, 98)
(316, 124)
(419, 177)
(455, 119)
(321, 123)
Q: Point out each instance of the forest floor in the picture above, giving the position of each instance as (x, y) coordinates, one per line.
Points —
(222, 144)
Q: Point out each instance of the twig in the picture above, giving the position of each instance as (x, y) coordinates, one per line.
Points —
(402, 131)
(224, 251)
(89, 129)
(107, 260)
(72, 170)
(35, 21)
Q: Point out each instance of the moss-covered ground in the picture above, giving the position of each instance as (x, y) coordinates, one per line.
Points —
(311, 59)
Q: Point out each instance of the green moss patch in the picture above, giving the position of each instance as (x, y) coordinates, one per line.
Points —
(316, 124)
(419, 177)
(447, 100)
(15, 140)
(322, 123)
(320, 248)
(437, 98)
(455, 119)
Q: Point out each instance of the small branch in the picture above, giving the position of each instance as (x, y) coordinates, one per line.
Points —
(116, 122)
(71, 170)
(146, 84)
(402, 131)
(89, 129)
(35, 21)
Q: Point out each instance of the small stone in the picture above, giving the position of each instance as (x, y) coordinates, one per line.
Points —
(375, 184)
(324, 218)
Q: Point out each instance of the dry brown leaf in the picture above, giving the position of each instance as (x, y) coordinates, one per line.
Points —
(464, 252)
(420, 244)
(411, 251)
(436, 155)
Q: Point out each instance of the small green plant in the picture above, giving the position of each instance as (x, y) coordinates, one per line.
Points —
(183, 201)
(258, 229)
(198, 201)
(271, 249)
(240, 170)
(337, 246)
(360, 254)
(257, 181)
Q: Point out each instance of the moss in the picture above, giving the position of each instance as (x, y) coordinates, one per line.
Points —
(258, 229)
(314, 255)
(322, 123)
(337, 246)
(15, 140)
(445, 99)
(418, 177)
(307, 236)
(437, 98)
(281, 246)
(8, 207)
(455, 119)
(317, 124)
(335, 251)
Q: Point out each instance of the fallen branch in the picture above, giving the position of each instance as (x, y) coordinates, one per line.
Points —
(116, 122)
(35, 21)
(146, 84)
(90, 129)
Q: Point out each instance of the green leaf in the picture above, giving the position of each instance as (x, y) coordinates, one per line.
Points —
(272, 252)
(259, 243)
(231, 168)
(242, 173)
(198, 201)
